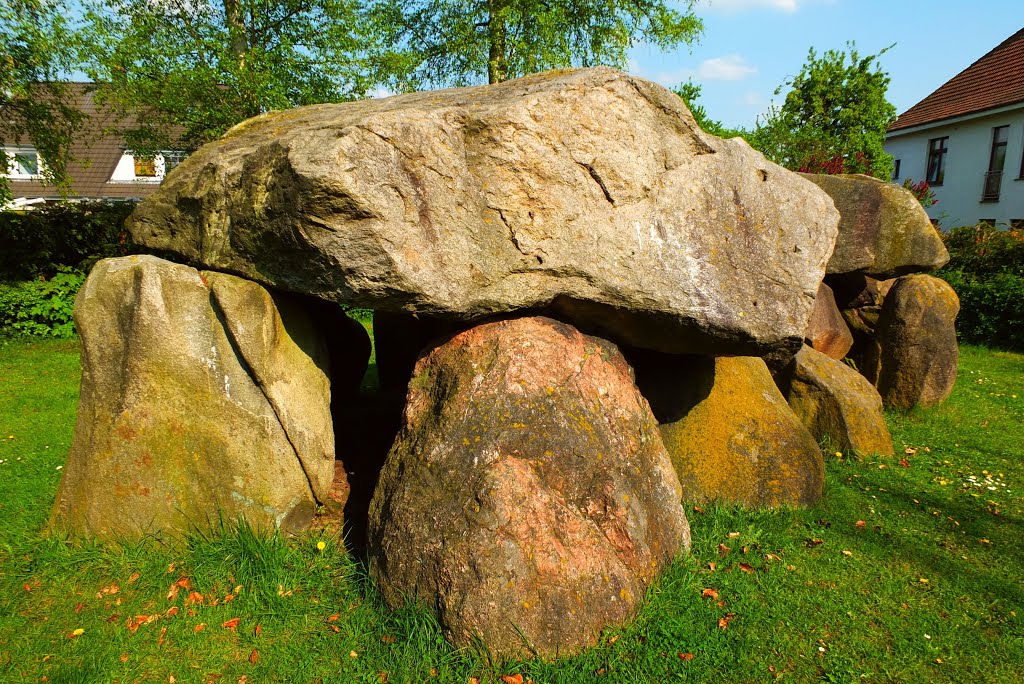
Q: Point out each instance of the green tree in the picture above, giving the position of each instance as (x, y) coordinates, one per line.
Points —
(834, 117)
(36, 49)
(690, 93)
(450, 42)
(188, 71)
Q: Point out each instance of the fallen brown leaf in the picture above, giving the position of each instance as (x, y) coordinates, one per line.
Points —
(333, 618)
(171, 612)
(685, 656)
(512, 679)
(724, 621)
(860, 523)
(388, 639)
(259, 629)
(254, 657)
(733, 535)
(109, 590)
(712, 566)
(231, 624)
(723, 550)
(747, 568)
(124, 657)
(163, 634)
(193, 597)
(200, 627)
(710, 593)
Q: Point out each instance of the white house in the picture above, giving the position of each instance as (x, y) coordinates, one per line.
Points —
(103, 167)
(967, 140)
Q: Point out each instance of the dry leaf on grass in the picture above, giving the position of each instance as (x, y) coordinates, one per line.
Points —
(710, 593)
(231, 624)
(685, 656)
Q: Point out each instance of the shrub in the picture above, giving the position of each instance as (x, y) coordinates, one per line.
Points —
(991, 308)
(39, 242)
(41, 307)
(984, 250)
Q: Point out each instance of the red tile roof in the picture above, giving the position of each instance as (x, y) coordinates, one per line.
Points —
(995, 80)
(96, 150)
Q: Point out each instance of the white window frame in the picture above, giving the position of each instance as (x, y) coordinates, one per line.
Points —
(11, 171)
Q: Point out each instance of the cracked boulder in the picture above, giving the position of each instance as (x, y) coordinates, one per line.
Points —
(528, 497)
(587, 193)
(204, 398)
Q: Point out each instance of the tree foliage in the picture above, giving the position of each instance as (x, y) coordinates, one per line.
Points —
(450, 42)
(36, 49)
(690, 93)
(191, 70)
(834, 117)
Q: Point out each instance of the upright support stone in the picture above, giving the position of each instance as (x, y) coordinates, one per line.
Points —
(913, 359)
(528, 497)
(203, 399)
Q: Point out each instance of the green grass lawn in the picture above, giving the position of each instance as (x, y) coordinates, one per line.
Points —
(907, 571)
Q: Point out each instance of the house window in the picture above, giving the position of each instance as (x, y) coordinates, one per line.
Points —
(23, 163)
(937, 149)
(138, 169)
(896, 169)
(145, 167)
(172, 158)
(996, 162)
(1016, 224)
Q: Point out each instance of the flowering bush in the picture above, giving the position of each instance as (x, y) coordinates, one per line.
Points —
(921, 191)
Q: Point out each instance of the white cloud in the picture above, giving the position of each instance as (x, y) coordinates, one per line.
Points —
(380, 92)
(741, 5)
(728, 68)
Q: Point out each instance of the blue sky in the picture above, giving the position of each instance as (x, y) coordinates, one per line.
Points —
(749, 47)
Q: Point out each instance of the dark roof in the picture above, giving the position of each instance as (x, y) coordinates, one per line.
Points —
(995, 80)
(96, 151)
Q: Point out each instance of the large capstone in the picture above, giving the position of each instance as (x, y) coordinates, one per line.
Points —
(589, 193)
(528, 497)
(204, 399)
(883, 230)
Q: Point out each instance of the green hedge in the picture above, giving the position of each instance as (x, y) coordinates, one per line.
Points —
(41, 307)
(986, 268)
(40, 242)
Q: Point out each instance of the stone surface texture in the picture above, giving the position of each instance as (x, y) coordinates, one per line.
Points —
(202, 397)
(587, 193)
(883, 230)
(914, 355)
(528, 497)
(741, 442)
(835, 401)
(827, 330)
